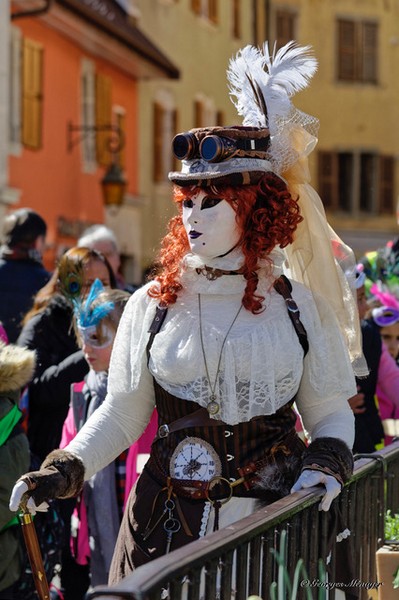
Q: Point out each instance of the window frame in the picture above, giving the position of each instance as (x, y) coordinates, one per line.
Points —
(355, 52)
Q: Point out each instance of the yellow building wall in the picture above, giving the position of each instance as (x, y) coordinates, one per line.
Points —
(353, 117)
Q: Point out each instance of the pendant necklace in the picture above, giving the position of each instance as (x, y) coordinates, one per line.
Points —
(213, 406)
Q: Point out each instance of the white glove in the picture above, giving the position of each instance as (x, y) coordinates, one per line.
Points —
(18, 491)
(309, 478)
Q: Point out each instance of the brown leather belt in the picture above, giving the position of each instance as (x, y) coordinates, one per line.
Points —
(198, 418)
(207, 490)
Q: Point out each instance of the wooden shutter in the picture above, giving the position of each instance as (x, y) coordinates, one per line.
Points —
(121, 124)
(196, 6)
(386, 185)
(346, 50)
(198, 114)
(158, 118)
(176, 165)
(236, 16)
(103, 118)
(285, 27)
(213, 10)
(32, 94)
(328, 179)
(369, 47)
(220, 118)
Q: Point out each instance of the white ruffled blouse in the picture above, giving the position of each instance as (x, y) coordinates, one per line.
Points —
(262, 365)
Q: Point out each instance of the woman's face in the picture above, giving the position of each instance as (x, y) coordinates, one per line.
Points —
(390, 337)
(94, 269)
(210, 224)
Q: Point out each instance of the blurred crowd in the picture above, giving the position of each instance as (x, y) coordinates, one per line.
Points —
(56, 337)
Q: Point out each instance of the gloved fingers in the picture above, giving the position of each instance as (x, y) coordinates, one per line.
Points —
(18, 491)
(33, 509)
(307, 479)
(310, 478)
(333, 488)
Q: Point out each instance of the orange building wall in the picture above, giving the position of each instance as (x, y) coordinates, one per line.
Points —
(51, 179)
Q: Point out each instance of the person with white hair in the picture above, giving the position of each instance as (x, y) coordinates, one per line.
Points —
(103, 239)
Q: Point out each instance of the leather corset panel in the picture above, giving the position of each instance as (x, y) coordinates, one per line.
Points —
(236, 445)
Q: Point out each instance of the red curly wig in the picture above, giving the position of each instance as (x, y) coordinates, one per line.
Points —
(266, 214)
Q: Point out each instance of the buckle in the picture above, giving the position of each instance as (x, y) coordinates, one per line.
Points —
(291, 305)
(217, 480)
(163, 431)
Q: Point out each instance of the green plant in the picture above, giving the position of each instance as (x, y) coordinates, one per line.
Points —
(391, 534)
(283, 589)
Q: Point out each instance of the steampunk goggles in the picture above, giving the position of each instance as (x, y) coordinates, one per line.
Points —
(216, 148)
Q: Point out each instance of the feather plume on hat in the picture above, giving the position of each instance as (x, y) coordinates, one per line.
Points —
(261, 86)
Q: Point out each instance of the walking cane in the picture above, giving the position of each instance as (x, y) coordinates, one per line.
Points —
(33, 550)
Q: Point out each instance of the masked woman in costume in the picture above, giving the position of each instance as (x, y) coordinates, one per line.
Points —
(221, 342)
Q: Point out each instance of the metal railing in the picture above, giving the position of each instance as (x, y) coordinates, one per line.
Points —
(238, 561)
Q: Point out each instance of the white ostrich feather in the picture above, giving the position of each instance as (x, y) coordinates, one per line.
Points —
(263, 83)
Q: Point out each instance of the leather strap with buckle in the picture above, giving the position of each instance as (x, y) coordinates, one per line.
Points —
(198, 418)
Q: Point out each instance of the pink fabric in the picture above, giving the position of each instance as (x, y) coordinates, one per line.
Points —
(80, 547)
(142, 446)
(388, 388)
(3, 334)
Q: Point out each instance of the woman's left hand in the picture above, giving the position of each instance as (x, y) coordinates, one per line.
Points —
(310, 478)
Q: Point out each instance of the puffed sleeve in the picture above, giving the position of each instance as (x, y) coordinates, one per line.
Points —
(129, 404)
(328, 380)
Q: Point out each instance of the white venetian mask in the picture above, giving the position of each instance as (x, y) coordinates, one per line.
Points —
(210, 224)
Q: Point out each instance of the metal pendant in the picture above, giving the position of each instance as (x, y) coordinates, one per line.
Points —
(213, 407)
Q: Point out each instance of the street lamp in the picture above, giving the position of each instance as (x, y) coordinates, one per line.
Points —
(113, 183)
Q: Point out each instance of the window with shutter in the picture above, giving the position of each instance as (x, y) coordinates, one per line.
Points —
(213, 10)
(88, 112)
(345, 182)
(285, 27)
(120, 123)
(367, 182)
(175, 122)
(32, 93)
(346, 51)
(328, 179)
(15, 89)
(196, 6)
(103, 118)
(236, 18)
(386, 204)
(357, 52)
(369, 33)
(199, 111)
(158, 113)
(220, 118)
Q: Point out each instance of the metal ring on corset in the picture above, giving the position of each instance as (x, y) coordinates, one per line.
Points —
(219, 480)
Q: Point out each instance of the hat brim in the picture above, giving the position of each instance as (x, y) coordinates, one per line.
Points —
(235, 171)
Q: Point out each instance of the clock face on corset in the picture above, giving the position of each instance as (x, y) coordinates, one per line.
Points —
(195, 459)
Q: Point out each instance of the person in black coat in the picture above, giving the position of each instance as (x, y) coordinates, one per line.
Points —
(22, 273)
(59, 363)
(48, 330)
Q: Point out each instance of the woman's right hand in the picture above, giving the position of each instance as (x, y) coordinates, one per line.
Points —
(17, 494)
(60, 476)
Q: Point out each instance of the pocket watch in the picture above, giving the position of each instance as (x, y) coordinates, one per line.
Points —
(195, 459)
